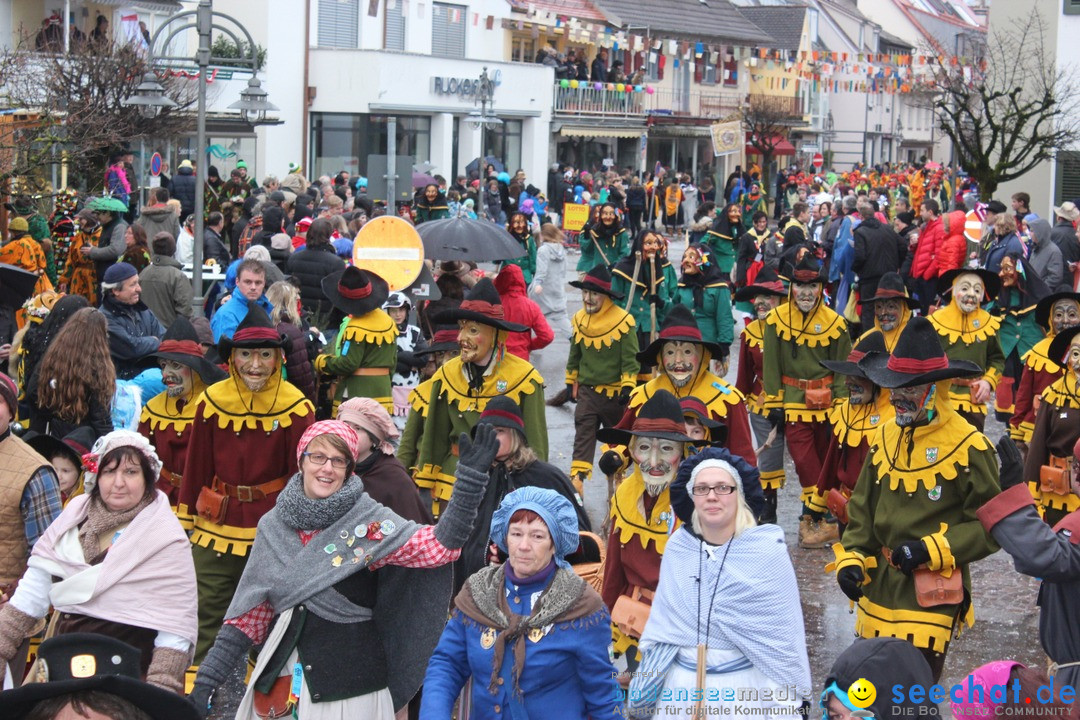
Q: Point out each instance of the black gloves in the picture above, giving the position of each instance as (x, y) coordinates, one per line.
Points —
(1012, 465)
(656, 300)
(200, 698)
(909, 555)
(481, 451)
(851, 579)
(624, 395)
(610, 462)
(570, 392)
(776, 419)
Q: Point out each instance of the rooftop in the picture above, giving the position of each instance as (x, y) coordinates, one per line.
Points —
(689, 19)
(783, 22)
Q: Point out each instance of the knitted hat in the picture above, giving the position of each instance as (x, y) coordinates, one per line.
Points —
(554, 509)
(328, 427)
(303, 224)
(117, 439)
(118, 273)
(597, 280)
(186, 164)
(501, 411)
(19, 225)
(9, 393)
(372, 417)
(241, 164)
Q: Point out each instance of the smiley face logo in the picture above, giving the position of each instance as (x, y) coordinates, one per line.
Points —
(862, 693)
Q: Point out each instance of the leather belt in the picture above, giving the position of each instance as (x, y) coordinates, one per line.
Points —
(172, 478)
(374, 372)
(807, 384)
(249, 493)
(967, 382)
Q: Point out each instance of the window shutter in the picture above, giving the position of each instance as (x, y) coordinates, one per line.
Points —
(395, 27)
(448, 30)
(1068, 176)
(339, 23)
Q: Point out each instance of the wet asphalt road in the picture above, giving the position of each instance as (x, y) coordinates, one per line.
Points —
(1006, 618)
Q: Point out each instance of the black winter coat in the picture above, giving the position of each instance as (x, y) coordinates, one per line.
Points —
(878, 249)
(298, 360)
(183, 189)
(310, 266)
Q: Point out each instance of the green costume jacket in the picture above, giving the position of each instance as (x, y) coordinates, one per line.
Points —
(603, 350)
(725, 247)
(972, 337)
(1018, 331)
(438, 211)
(922, 485)
(366, 344)
(714, 317)
(666, 286)
(454, 408)
(603, 248)
(527, 261)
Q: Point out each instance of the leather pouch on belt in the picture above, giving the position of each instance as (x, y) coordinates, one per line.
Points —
(837, 504)
(630, 615)
(274, 704)
(932, 588)
(1056, 478)
(211, 505)
(818, 398)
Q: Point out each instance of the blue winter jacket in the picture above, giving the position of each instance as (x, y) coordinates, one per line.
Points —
(232, 313)
(134, 333)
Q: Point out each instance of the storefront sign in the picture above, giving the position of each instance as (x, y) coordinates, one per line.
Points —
(462, 87)
(575, 216)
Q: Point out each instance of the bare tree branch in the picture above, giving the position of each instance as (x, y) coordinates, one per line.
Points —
(767, 119)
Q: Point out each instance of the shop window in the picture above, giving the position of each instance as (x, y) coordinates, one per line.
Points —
(448, 30)
(394, 38)
(504, 142)
(522, 49)
(339, 23)
(343, 140)
(1071, 7)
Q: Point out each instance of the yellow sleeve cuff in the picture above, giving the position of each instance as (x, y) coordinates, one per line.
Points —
(941, 557)
(773, 402)
(628, 380)
(571, 377)
(992, 376)
(847, 558)
(320, 363)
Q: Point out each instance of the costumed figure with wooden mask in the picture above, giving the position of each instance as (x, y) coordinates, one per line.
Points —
(167, 417)
(707, 292)
(364, 355)
(968, 332)
(647, 281)
(601, 369)
(799, 391)
(604, 242)
(443, 347)
(462, 388)
(1015, 305)
(1055, 314)
(912, 529)
(241, 454)
(855, 422)
(766, 293)
(893, 309)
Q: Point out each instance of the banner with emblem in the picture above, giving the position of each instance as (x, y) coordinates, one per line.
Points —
(727, 137)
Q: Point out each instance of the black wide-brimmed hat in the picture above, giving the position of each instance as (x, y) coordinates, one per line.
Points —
(917, 359)
(73, 446)
(181, 344)
(1046, 306)
(77, 662)
(598, 280)
(872, 341)
(501, 411)
(355, 291)
(767, 282)
(808, 270)
(444, 339)
(891, 287)
(718, 431)
(482, 304)
(991, 282)
(1059, 346)
(254, 331)
(678, 326)
(660, 417)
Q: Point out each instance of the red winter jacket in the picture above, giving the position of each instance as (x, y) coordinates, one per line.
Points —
(953, 248)
(923, 265)
(517, 307)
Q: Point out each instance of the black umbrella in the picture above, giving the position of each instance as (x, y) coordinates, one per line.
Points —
(17, 285)
(464, 239)
(474, 166)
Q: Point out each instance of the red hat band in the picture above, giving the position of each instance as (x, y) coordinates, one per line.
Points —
(598, 282)
(647, 425)
(181, 347)
(355, 293)
(504, 415)
(912, 366)
(484, 308)
(681, 332)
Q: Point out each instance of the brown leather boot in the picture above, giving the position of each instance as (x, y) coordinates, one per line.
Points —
(820, 534)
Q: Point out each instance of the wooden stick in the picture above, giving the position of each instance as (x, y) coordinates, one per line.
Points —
(700, 680)
(652, 306)
(633, 282)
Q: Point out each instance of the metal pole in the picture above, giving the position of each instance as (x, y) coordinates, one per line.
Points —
(391, 164)
(480, 204)
(203, 24)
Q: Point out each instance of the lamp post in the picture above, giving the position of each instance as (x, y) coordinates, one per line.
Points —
(480, 120)
(830, 126)
(150, 96)
(899, 136)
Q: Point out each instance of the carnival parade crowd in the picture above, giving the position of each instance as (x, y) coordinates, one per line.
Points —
(347, 490)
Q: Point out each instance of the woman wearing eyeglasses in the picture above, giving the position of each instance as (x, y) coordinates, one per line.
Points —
(347, 597)
(727, 612)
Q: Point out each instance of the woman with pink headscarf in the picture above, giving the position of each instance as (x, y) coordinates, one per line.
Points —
(383, 475)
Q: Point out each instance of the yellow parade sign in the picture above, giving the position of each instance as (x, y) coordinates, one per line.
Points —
(575, 216)
(390, 247)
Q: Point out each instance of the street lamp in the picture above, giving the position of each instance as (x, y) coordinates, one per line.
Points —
(479, 121)
(899, 135)
(150, 96)
(830, 126)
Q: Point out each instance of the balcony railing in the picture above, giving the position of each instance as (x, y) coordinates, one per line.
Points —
(586, 101)
(791, 106)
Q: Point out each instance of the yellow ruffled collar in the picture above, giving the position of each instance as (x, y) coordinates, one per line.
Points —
(373, 328)
(938, 450)
(161, 412)
(511, 377)
(852, 425)
(1063, 392)
(820, 328)
(754, 333)
(236, 408)
(893, 335)
(954, 324)
(1038, 358)
(717, 394)
(602, 329)
(418, 398)
(628, 513)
